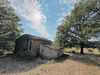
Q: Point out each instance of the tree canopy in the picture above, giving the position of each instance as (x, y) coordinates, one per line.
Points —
(10, 29)
(81, 25)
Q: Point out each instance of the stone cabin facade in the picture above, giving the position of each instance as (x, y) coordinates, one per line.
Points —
(37, 46)
(50, 51)
(30, 42)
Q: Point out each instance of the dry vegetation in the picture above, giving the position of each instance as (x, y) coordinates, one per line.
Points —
(86, 50)
(69, 64)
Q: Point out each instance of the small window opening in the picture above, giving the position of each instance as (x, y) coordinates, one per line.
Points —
(30, 44)
(42, 51)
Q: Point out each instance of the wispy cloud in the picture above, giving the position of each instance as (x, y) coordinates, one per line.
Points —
(64, 14)
(47, 10)
(59, 14)
(59, 21)
(31, 10)
(46, 5)
(70, 6)
(69, 3)
(43, 1)
(62, 9)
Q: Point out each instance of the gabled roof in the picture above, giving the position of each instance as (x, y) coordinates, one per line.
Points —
(28, 36)
(53, 46)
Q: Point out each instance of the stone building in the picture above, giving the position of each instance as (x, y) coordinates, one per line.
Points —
(29, 42)
(33, 46)
(50, 51)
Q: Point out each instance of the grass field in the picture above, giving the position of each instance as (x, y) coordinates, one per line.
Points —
(68, 64)
(86, 50)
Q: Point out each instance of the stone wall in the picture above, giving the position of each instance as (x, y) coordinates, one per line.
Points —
(47, 52)
(61, 52)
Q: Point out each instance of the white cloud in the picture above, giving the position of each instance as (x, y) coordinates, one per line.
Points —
(43, 1)
(59, 14)
(60, 1)
(46, 5)
(64, 14)
(47, 9)
(63, 9)
(69, 3)
(68, 13)
(31, 10)
(59, 21)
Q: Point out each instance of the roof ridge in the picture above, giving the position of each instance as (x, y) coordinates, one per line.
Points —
(36, 37)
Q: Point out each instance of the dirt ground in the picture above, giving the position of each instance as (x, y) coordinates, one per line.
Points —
(73, 64)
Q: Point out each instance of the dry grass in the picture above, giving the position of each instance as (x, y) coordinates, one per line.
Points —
(75, 64)
(86, 50)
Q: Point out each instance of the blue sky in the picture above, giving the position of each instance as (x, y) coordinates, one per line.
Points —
(41, 17)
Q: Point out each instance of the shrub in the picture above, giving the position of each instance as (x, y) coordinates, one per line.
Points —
(77, 47)
(27, 54)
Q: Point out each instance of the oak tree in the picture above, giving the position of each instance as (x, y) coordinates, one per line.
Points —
(82, 25)
(10, 28)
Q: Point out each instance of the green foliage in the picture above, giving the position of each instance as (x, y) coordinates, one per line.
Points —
(82, 24)
(10, 29)
(77, 47)
(27, 54)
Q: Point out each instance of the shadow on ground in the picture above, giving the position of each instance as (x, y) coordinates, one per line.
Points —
(62, 58)
(89, 59)
(9, 64)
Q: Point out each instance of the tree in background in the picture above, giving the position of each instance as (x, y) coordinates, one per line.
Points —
(10, 29)
(82, 25)
(92, 5)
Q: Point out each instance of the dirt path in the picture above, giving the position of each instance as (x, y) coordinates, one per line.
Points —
(70, 66)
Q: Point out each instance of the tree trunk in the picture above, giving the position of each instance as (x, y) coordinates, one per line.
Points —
(81, 48)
